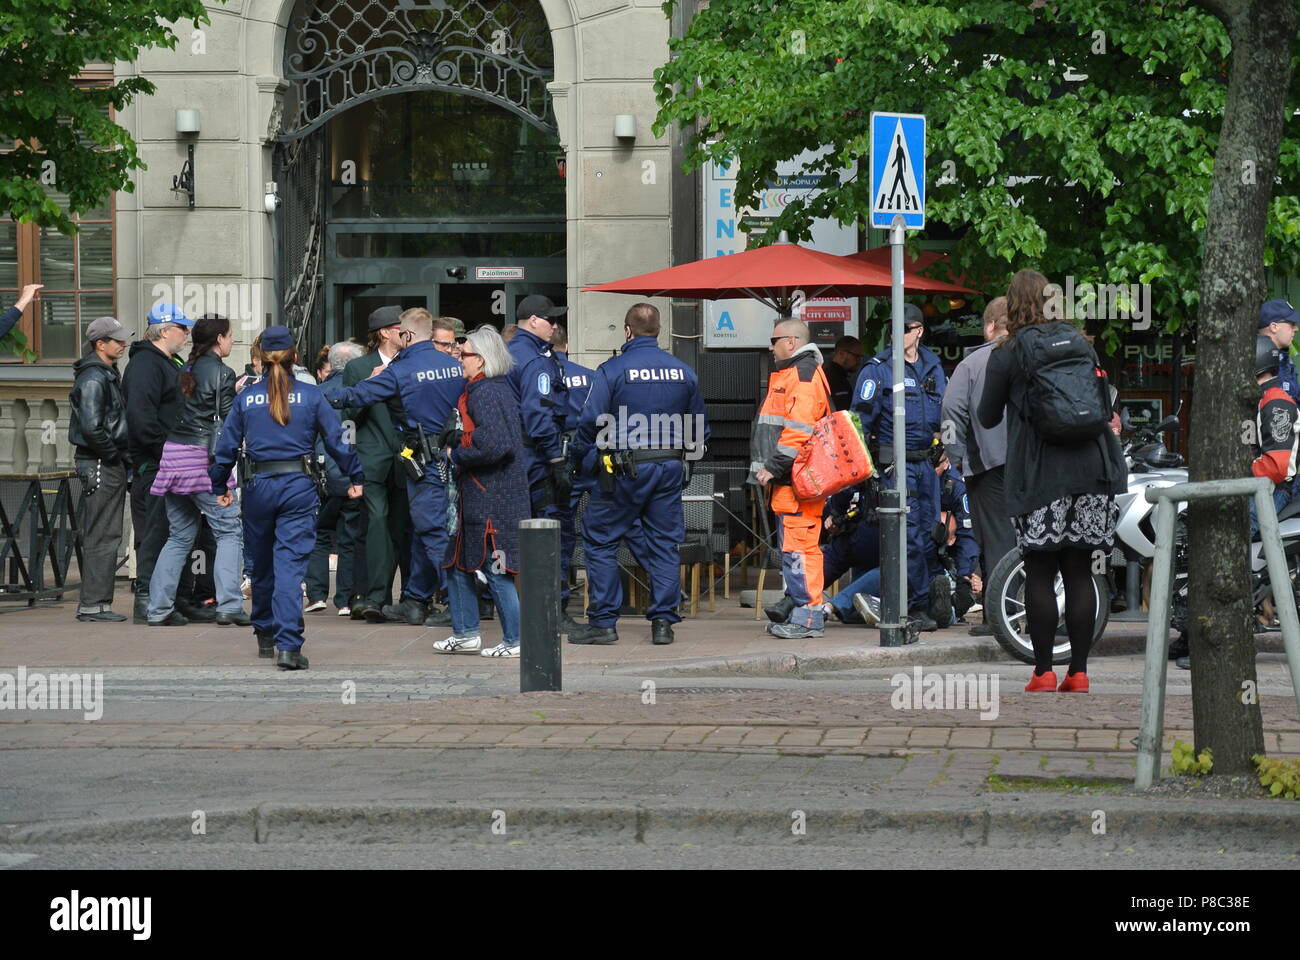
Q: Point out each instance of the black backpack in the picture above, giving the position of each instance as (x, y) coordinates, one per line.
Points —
(1067, 400)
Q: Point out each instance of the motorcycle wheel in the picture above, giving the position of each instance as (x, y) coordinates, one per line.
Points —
(1004, 599)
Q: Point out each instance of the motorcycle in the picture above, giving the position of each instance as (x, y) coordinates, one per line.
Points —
(1150, 464)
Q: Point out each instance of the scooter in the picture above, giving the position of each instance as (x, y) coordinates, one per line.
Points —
(1150, 464)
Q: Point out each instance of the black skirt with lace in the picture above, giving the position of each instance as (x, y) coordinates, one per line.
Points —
(1085, 521)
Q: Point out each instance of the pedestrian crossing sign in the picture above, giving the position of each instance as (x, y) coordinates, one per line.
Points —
(898, 169)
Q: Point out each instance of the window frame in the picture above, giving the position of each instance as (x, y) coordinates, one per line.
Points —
(28, 248)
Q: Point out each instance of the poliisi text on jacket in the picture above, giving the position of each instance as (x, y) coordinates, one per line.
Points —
(655, 374)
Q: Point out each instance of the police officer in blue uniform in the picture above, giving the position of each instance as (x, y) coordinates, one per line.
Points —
(538, 382)
(1277, 321)
(873, 400)
(577, 384)
(951, 566)
(275, 422)
(428, 382)
(643, 418)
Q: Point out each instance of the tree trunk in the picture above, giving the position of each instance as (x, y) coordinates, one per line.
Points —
(1232, 288)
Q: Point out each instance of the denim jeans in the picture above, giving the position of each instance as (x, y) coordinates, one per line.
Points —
(183, 512)
(1283, 494)
(463, 591)
(868, 583)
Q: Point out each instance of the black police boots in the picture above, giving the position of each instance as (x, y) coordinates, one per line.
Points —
(361, 608)
(238, 619)
(780, 611)
(924, 622)
(438, 617)
(585, 633)
(290, 660)
(265, 645)
(409, 611)
(941, 599)
(141, 613)
(661, 632)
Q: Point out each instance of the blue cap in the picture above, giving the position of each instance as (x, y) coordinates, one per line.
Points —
(1277, 311)
(276, 338)
(169, 313)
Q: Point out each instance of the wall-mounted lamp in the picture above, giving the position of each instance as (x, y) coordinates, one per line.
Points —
(187, 123)
(625, 126)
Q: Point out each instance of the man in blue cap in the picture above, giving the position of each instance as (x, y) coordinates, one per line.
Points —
(1277, 321)
(151, 388)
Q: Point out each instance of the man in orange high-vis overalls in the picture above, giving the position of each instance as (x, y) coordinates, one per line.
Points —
(797, 397)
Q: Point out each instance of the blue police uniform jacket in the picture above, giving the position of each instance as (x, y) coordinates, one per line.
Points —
(250, 423)
(428, 381)
(953, 499)
(643, 398)
(538, 382)
(1286, 372)
(924, 382)
(577, 381)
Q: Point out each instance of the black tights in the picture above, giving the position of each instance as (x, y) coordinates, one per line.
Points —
(1075, 567)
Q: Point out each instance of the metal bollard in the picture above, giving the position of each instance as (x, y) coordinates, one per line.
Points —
(539, 605)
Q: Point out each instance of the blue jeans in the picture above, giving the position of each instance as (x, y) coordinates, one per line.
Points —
(463, 591)
(183, 512)
(1282, 495)
(868, 583)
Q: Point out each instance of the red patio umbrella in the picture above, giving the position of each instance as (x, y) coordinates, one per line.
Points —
(770, 275)
(913, 281)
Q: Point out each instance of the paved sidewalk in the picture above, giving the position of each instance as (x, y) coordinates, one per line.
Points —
(728, 641)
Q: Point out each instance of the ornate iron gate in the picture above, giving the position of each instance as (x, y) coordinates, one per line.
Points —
(300, 165)
(343, 52)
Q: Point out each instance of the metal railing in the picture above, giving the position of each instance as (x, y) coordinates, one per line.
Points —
(51, 530)
(1151, 731)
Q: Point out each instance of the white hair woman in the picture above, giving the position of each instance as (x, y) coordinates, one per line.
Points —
(490, 462)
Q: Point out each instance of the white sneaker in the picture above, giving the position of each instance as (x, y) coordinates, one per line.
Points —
(314, 606)
(501, 650)
(246, 588)
(345, 611)
(455, 644)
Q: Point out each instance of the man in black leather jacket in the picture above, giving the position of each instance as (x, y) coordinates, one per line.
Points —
(97, 428)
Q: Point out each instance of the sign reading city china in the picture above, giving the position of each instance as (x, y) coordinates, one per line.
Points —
(748, 323)
(898, 169)
(498, 273)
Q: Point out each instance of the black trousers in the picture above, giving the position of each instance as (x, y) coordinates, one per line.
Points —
(988, 506)
(101, 533)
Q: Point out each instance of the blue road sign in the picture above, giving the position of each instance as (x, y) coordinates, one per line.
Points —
(898, 169)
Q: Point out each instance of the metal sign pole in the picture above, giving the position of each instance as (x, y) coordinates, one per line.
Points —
(893, 560)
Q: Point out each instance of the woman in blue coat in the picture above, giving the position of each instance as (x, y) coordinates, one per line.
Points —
(276, 422)
(492, 480)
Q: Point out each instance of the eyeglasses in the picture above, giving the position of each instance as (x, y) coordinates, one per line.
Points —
(466, 354)
(776, 340)
(914, 326)
(444, 344)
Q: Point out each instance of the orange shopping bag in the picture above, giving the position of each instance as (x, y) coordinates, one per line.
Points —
(834, 458)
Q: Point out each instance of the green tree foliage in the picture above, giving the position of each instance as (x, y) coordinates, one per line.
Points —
(44, 44)
(1106, 179)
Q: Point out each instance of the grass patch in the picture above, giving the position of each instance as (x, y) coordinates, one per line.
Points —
(1058, 784)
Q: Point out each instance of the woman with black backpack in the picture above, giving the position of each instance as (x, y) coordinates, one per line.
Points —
(1064, 468)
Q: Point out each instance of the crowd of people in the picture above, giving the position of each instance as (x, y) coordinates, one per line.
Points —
(413, 461)
(967, 509)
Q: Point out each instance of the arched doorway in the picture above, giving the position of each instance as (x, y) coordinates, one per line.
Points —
(419, 162)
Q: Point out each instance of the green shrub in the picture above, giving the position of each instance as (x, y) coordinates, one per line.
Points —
(1281, 777)
(1185, 763)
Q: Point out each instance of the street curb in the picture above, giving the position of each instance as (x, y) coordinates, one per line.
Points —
(1127, 821)
(951, 650)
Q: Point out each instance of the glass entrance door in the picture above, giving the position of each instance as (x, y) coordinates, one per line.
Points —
(358, 302)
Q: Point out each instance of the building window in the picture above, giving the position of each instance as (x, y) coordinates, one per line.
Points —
(78, 273)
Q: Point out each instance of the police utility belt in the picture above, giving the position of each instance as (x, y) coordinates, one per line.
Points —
(886, 454)
(306, 464)
(622, 463)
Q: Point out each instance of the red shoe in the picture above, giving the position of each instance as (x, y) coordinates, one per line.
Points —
(1042, 682)
(1074, 683)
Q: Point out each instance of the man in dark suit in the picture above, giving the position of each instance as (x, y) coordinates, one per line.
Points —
(378, 444)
